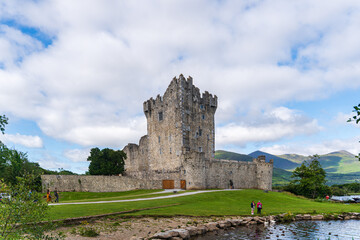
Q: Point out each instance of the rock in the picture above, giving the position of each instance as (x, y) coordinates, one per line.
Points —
(299, 217)
(201, 230)
(235, 222)
(212, 226)
(224, 224)
(166, 235)
(192, 230)
(176, 238)
(307, 217)
(183, 233)
(346, 217)
(317, 217)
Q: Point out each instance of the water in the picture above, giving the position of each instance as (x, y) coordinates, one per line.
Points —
(345, 198)
(322, 230)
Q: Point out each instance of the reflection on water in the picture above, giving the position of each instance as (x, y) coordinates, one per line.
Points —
(349, 229)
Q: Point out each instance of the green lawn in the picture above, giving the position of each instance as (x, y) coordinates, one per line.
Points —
(108, 196)
(206, 204)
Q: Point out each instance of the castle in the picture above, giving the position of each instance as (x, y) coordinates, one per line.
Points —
(180, 145)
(177, 152)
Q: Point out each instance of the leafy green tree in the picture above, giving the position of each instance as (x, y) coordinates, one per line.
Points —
(3, 122)
(356, 118)
(22, 212)
(309, 179)
(106, 161)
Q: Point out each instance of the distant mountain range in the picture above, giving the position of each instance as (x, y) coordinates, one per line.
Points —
(341, 166)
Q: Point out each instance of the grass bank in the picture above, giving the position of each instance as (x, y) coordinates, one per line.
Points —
(208, 204)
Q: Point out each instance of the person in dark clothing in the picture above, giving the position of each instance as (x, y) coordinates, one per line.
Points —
(56, 195)
(259, 207)
(253, 204)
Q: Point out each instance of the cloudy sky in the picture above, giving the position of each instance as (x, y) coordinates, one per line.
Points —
(74, 74)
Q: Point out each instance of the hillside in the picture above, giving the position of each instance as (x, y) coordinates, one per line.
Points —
(296, 158)
(278, 161)
(221, 154)
(341, 162)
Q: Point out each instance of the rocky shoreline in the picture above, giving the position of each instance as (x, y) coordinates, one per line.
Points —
(191, 231)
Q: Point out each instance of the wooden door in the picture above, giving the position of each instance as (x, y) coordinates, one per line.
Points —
(182, 184)
(168, 184)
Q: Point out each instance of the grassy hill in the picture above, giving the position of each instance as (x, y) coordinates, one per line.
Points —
(341, 162)
(221, 154)
(282, 177)
(296, 158)
(278, 161)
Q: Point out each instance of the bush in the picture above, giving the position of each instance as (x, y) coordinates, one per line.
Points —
(88, 232)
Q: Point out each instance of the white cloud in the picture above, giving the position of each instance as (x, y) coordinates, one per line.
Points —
(274, 125)
(24, 140)
(77, 155)
(48, 161)
(107, 57)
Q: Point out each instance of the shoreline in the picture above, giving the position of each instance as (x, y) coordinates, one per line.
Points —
(182, 227)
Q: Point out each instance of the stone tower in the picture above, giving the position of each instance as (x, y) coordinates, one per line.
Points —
(180, 122)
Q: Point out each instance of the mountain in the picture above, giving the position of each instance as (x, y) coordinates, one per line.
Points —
(340, 162)
(278, 161)
(296, 158)
(282, 177)
(221, 154)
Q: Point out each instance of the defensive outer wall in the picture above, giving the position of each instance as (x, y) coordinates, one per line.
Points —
(177, 152)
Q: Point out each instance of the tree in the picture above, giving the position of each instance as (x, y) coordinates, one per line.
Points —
(106, 161)
(309, 179)
(3, 122)
(22, 212)
(356, 118)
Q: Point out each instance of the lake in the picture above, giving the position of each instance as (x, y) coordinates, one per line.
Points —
(347, 229)
(345, 198)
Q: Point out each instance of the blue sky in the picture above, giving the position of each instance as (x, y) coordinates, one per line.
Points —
(74, 75)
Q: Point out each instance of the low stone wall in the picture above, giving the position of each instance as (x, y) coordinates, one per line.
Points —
(75, 183)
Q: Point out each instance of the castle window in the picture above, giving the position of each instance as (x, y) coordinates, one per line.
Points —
(200, 131)
(203, 116)
(201, 106)
(170, 137)
(170, 150)
(208, 138)
(160, 151)
(200, 149)
(159, 139)
(161, 117)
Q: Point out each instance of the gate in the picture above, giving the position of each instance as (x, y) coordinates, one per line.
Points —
(168, 184)
(182, 184)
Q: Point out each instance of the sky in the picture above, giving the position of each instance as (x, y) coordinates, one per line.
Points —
(74, 74)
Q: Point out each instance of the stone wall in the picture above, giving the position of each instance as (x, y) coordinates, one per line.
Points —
(71, 183)
(202, 173)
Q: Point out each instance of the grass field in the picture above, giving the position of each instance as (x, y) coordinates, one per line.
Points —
(66, 197)
(207, 204)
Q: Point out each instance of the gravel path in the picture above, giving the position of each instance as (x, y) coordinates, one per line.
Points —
(152, 198)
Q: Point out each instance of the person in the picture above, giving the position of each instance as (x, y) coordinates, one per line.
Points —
(48, 196)
(231, 184)
(252, 207)
(259, 207)
(56, 195)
